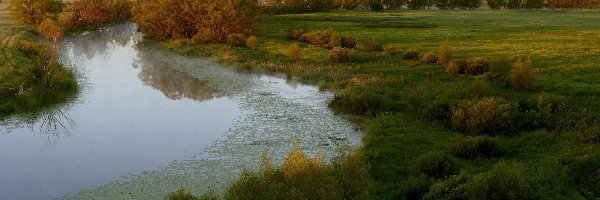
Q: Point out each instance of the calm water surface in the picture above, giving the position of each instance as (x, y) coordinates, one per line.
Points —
(147, 122)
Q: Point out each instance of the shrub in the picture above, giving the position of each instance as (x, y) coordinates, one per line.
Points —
(443, 4)
(236, 40)
(522, 75)
(456, 67)
(534, 4)
(591, 134)
(335, 41)
(445, 54)
(466, 4)
(376, 6)
(478, 147)
(502, 182)
(175, 19)
(348, 42)
(296, 33)
(31, 12)
(436, 165)
(440, 111)
(181, 194)
(496, 4)
(476, 66)
(411, 55)
(452, 188)
(391, 50)
(340, 55)
(430, 58)
(321, 38)
(418, 4)
(50, 29)
(514, 4)
(294, 52)
(415, 187)
(369, 45)
(480, 86)
(500, 71)
(252, 42)
(489, 115)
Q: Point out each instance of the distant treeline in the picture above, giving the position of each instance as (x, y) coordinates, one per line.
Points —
(299, 6)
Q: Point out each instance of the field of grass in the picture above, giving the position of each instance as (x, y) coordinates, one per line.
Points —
(26, 85)
(396, 96)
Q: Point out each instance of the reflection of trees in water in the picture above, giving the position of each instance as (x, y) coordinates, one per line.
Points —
(101, 42)
(54, 125)
(156, 70)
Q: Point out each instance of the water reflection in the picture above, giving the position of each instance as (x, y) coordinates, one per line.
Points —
(157, 72)
(53, 126)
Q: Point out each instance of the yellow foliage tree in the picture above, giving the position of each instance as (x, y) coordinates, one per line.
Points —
(31, 12)
(50, 29)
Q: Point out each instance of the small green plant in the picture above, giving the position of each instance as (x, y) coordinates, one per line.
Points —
(236, 40)
(522, 75)
(436, 165)
(391, 50)
(340, 55)
(502, 182)
(445, 54)
(477, 147)
(485, 116)
(294, 52)
(430, 58)
(480, 86)
(348, 42)
(252, 42)
(411, 55)
(500, 71)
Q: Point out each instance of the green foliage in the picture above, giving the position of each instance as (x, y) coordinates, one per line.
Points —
(502, 182)
(418, 4)
(500, 71)
(485, 116)
(414, 187)
(534, 4)
(411, 54)
(476, 147)
(436, 165)
(480, 87)
(466, 4)
(445, 54)
(341, 55)
(586, 173)
(496, 4)
(452, 188)
(514, 4)
(429, 58)
(376, 6)
(522, 75)
(236, 40)
(361, 101)
(181, 194)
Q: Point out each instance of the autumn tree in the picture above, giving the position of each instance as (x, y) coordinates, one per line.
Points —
(50, 29)
(31, 12)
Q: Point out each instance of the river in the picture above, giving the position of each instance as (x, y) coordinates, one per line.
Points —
(147, 122)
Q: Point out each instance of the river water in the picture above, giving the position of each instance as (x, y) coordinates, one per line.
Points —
(147, 122)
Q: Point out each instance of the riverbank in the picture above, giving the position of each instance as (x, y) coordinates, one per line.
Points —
(404, 103)
(30, 76)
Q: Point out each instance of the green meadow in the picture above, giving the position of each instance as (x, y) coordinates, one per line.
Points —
(406, 105)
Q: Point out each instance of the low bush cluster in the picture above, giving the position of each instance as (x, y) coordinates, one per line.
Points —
(341, 55)
(436, 166)
(430, 58)
(477, 147)
(411, 55)
(294, 52)
(369, 45)
(391, 50)
(476, 66)
(485, 116)
(236, 40)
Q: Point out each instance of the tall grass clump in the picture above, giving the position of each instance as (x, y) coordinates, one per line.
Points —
(411, 54)
(445, 54)
(477, 147)
(484, 116)
(436, 165)
(369, 45)
(500, 71)
(323, 38)
(522, 75)
(430, 58)
(294, 52)
(502, 182)
(348, 42)
(480, 86)
(340, 55)
(236, 40)
(391, 50)
(252, 42)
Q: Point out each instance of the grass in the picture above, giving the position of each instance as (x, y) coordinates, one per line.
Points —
(20, 92)
(394, 95)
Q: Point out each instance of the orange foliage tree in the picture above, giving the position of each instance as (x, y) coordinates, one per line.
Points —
(31, 12)
(50, 29)
(201, 20)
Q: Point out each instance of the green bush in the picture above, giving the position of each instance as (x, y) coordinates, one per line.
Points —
(586, 173)
(500, 71)
(485, 116)
(340, 55)
(452, 188)
(369, 45)
(296, 33)
(348, 42)
(440, 111)
(391, 50)
(429, 58)
(502, 182)
(480, 86)
(181, 194)
(361, 101)
(436, 165)
(476, 66)
(534, 4)
(376, 6)
(411, 55)
(477, 147)
(522, 75)
(236, 40)
(514, 4)
(496, 4)
(415, 187)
